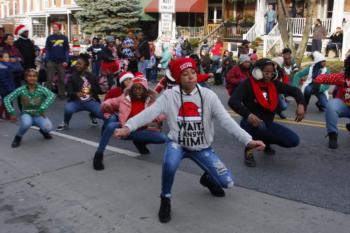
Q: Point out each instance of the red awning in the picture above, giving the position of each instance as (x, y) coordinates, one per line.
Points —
(190, 6)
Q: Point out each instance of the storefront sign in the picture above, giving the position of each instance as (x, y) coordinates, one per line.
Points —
(167, 22)
(166, 6)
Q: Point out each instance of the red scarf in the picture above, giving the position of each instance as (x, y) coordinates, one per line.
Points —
(272, 101)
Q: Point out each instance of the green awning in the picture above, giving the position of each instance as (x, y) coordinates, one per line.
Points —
(144, 16)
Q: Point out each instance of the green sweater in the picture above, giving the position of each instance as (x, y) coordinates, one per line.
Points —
(304, 73)
(33, 103)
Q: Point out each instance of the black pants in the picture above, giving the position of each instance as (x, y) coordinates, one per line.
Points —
(316, 45)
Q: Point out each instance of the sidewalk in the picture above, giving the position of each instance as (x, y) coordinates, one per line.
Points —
(50, 186)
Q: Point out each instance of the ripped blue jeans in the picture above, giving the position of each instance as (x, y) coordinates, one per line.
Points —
(27, 121)
(206, 159)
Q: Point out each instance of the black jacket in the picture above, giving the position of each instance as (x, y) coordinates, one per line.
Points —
(27, 49)
(75, 85)
(243, 100)
(337, 38)
(144, 50)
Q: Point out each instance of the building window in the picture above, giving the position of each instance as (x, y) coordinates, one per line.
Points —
(14, 8)
(39, 28)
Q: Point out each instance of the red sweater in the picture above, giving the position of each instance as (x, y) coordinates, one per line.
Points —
(136, 108)
(340, 81)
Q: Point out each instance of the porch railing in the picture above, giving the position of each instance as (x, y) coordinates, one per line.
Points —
(233, 31)
(251, 34)
(271, 40)
(214, 33)
(297, 25)
(191, 32)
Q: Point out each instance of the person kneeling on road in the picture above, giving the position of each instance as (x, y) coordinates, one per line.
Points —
(135, 99)
(83, 90)
(256, 100)
(35, 100)
(190, 111)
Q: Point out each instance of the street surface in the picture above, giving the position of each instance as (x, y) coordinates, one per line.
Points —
(50, 186)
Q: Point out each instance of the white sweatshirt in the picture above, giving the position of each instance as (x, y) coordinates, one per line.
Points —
(187, 127)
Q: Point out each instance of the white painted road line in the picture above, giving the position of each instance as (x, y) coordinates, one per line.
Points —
(93, 144)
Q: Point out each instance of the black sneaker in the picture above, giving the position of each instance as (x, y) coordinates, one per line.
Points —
(46, 135)
(16, 141)
(215, 190)
(98, 161)
(249, 160)
(347, 126)
(268, 150)
(141, 147)
(63, 126)
(333, 140)
(164, 210)
(93, 119)
(319, 106)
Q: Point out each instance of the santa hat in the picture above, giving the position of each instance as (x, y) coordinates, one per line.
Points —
(179, 65)
(124, 76)
(138, 80)
(139, 75)
(58, 25)
(318, 57)
(21, 29)
(189, 111)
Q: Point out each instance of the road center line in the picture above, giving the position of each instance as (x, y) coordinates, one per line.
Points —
(93, 144)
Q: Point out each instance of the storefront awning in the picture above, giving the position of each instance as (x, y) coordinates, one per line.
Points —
(190, 6)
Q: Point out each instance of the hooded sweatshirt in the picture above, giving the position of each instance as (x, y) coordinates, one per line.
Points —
(190, 120)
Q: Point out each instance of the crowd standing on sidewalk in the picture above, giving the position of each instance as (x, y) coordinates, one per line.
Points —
(134, 89)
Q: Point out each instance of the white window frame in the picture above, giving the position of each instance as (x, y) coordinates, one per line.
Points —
(29, 5)
(7, 9)
(21, 7)
(53, 3)
(14, 6)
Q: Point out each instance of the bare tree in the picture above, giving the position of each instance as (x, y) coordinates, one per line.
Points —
(286, 35)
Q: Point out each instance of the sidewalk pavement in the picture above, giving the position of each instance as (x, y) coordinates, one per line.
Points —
(50, 186)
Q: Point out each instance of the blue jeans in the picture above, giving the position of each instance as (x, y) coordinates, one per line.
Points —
(336, 108)
(322, 98)
(282, 103)
(91, 106)
(142, 65)
(206, 159)
(27, 121)
(272, 134)
(269, 26)
(96, 67)
(215, 64)
(139, 136)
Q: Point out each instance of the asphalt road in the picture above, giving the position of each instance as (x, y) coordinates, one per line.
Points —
(310, 173)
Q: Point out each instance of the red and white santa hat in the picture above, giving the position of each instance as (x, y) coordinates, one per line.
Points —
(21, 29)
(124, 76)
(140, 79)
(189, 111)
(179, 65)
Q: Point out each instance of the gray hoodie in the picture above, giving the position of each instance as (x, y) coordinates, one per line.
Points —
(188, 127)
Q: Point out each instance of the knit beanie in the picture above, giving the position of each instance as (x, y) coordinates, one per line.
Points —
(318, 57)
(278, 60)
(58, 25)
(179, 65)
(139, 80)
(124, 76)
(243, 58)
